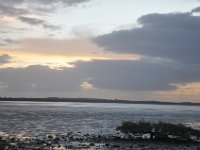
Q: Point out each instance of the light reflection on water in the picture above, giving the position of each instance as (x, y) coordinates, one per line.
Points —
(44, 117)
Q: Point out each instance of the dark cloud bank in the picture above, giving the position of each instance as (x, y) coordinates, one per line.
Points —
(39, 78)
(120, 75)
(173, 36)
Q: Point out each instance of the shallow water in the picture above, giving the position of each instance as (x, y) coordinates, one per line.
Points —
(43, 118)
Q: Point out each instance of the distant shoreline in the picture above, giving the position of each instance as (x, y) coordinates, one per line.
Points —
(94, 100)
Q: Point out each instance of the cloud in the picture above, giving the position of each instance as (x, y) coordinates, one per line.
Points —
(31, 21)
(67, 47)
(196, 10)
(57, 53)
(138, 75)
(66, 2)
(5, 58)
(35, 21)
(173, 36)
(20, 9)
(7, 42)
(12, 11)
(39, 79)
(78, 49)
(41, 2)
(100, 75)
(3, 86)
(87, 86)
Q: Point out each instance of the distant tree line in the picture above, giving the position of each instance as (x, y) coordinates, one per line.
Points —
(93, 100)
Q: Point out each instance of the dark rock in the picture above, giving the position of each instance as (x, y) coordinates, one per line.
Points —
(50, 136)
(92, 144)
(56, 140)
(141, 145)
(13, 139)
(59, 146)
(86, 134)
(116, 146)
(69, 146)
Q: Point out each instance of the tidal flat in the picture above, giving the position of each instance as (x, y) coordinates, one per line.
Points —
(48, 126)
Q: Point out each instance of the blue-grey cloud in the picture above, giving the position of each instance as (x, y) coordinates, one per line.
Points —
(7, 41)
(139, 75)
(66, 2)
(102, 74)
(36, 21)
(5, 58)
(32, 21)
(14, 8)
(12, 11)
(39, 79)
(41, 2)
(196, 10)
(172, 36)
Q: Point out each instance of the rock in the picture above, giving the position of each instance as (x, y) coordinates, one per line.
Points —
(37, 148)
(92, 144)
(83, 147)
(141, 145)
(86, 134)
(116, 146)
(56, 140)
(59, 146)
(69, 146)
(12, 139)
(50, 136)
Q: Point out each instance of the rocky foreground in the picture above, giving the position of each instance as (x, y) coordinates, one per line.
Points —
(71, 141)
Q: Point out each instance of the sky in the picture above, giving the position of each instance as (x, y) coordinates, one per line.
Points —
(114, 49)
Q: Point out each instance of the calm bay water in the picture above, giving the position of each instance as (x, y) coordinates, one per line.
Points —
(38, 118)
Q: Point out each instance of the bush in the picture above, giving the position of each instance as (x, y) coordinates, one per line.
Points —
(160, 130)
(135, 128)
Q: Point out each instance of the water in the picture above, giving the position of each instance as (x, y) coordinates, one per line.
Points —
(43, 118)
